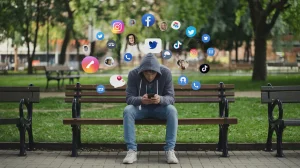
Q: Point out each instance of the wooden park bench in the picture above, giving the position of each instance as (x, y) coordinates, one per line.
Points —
(276, 96)
(77, 94)
(3, 68)
(25, 96)
(38, 68)
(61, 73)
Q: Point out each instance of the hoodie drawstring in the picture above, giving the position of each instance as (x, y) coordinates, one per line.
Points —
(140, 107)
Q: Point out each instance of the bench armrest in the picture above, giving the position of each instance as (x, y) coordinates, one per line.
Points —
(275, 103)
(49, 74)
(25, 121)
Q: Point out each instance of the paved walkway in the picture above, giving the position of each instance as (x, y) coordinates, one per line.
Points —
(152, 159)
(237, 94)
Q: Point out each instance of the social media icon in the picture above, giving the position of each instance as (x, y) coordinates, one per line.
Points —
(204, 68)
(109, 61)
(86, 50)
(100, 36)
(183, 80)
(117, 26)
(100, 89)
(210, 51)
(90, 64)
(190, 31)
(132, 22)
(127, 57)
(193, 53)
(166, 54)
(177, 45)
(196, 85)
(205, 38)
(111, 44)
(117, 81)
(175, 25)
(148, 20)
(153, 45)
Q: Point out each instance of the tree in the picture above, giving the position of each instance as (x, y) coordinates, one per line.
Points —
(263, 20)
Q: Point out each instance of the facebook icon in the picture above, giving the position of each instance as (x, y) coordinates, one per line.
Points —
(148, 20)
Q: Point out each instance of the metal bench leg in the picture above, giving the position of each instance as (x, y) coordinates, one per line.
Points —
(279, 141)
(47, 84)
(74, 140)
(30, 137)
(269, 139)
(225, 139)
(58, 84)
(22, 140)
(219, 146)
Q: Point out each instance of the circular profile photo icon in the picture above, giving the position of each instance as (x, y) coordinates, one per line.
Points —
(163, 26)
(109, 61)
(132, 22)
(182, 64)
(131, 39)
(86, 50)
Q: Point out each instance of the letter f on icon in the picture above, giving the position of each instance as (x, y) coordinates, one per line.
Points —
(148, 20)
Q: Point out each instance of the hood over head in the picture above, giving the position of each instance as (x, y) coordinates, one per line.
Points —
(149, 62)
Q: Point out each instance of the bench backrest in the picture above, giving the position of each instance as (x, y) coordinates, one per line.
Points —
(183, 94)
(286, 94)
(57, 68)
(3, 66)
(15, 94)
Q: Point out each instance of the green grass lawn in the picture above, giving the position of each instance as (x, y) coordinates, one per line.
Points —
(49, 113)
(242, 83)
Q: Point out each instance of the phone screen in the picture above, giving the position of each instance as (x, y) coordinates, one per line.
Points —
(150, 95)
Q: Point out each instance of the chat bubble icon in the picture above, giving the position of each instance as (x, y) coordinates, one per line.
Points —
(117, 81)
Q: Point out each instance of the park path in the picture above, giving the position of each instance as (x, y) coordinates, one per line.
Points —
(237, 94)
(149, 159)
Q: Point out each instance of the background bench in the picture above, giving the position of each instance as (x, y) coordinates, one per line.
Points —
(61, 73)
(38, 68)
(24, 96)
(276, 96)
(77, 94)
(3, 68)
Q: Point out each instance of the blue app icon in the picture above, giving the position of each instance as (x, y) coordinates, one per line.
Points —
(100, 35)
(183, 80)
(210, 51)
(190, 31)
(100, 89)
(148, 20)
(196, 85)
(205, 38)
(152, 44)
(127, 57)
(166, 54)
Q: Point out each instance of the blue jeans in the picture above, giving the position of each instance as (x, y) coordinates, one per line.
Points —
(132, 113)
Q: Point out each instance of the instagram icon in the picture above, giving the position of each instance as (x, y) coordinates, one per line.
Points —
(117, 26)
(193, 53)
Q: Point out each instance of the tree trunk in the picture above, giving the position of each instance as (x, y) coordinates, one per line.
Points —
(16, 58)
(62, 56)
(118, 50)
(260, 69)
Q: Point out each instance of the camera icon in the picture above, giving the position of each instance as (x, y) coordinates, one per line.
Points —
(117, 26)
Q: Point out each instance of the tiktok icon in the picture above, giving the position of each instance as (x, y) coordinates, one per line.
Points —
(204, 68)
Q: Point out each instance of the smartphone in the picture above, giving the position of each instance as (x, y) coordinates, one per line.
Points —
(150, 95)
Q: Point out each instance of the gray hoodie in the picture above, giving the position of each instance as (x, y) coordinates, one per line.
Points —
(137, 84)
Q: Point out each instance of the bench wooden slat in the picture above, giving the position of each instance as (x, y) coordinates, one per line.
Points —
(9, 121)
(284, 96)
(186, 121)
(176, 87)
(19, 89)
(292, 122)
(280, 88)
(123, 93)
(57, 68)
(17, 96)
(123, 100)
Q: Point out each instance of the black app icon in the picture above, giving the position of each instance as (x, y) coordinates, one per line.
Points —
(204, 68)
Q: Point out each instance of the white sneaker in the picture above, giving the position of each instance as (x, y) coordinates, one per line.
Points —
(171, 158)
(130, 157)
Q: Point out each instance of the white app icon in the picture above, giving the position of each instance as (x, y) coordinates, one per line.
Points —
(175, 25)
(153, 45)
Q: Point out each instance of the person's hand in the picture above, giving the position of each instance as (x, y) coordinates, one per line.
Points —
(155, 99)
(145, 99)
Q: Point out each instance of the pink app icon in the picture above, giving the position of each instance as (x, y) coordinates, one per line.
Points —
(117, 26)
(90, 64)
(193, 53)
